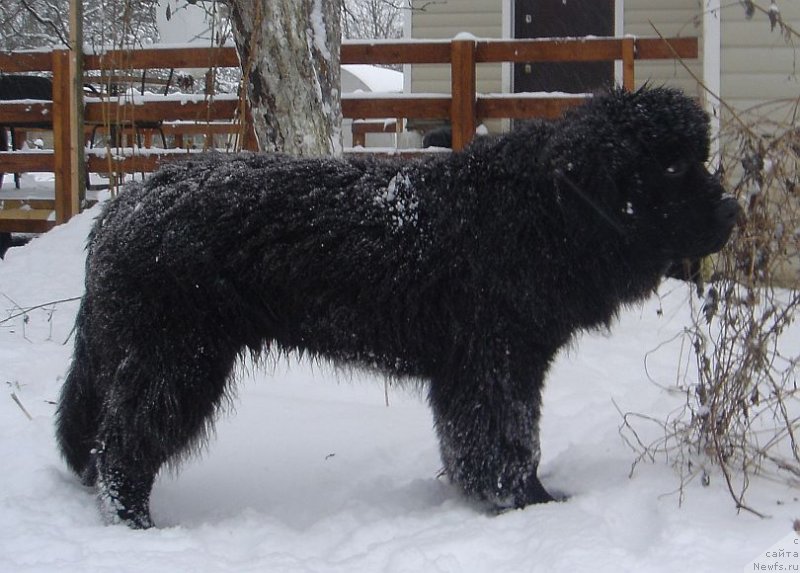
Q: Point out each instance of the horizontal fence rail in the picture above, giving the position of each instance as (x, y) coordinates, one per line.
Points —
(223, 114)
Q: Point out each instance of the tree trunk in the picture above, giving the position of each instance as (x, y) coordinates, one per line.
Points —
(289, 50)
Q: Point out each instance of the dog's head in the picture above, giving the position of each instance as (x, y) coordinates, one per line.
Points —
(656, 143)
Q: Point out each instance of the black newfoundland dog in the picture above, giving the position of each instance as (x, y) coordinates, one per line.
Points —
(467, 272)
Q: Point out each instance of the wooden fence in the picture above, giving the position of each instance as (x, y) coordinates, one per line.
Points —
(463, 107)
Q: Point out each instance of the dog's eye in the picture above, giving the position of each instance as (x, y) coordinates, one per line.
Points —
(677, 169)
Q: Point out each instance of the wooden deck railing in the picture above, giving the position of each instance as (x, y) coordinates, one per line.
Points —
(463, 107)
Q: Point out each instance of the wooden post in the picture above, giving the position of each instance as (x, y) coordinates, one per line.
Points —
(628, 56)
(462, 106)
(398, 131)
(359, 135)
(61, 135)
(77, 165)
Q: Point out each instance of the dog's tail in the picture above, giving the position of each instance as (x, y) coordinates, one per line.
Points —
(77, 417)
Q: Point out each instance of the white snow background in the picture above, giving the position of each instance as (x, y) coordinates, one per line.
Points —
(311, 472)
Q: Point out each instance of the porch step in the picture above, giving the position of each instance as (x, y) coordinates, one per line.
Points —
(33, 217)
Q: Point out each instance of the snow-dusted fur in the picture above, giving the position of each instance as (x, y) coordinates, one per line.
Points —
(467, 271)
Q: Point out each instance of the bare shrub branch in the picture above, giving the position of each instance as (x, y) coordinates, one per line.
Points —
(740, 416)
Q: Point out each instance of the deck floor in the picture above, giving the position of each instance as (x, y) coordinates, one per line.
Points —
(41, 187)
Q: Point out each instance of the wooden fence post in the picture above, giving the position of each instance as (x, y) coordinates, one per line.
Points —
(628, 64)
(462, 105)
(67, 134)
(61, 135)
(76, 163)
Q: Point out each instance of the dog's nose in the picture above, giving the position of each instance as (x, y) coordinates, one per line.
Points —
(727, 212)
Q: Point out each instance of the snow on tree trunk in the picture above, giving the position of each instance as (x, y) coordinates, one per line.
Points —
(289, 51)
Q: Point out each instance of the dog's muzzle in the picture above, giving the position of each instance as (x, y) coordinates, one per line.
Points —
(725, 216)
(727, 213)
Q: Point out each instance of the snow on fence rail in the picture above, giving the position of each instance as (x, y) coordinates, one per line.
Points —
(463, 107)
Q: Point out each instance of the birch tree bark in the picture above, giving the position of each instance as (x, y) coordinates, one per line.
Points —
(289, 51)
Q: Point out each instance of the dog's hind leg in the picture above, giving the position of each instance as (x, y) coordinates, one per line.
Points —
(487, 421)
(79, 406)
(160, 405)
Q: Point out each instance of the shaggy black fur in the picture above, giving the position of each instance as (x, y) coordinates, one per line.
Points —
(7, 240)
(13, 86)
(468, 272)
(5, 244)
(439, 137)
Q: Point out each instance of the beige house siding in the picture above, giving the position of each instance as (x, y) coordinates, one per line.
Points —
(757, 64)
(682, 18)
(484, 18)
(445, 20)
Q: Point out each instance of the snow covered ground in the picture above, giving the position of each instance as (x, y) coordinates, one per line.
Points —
(314, 473)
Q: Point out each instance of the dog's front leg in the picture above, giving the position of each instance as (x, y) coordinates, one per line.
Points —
(123, 490)
(488, 428)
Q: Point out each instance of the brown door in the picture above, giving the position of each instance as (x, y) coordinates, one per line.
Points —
(556, 18)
